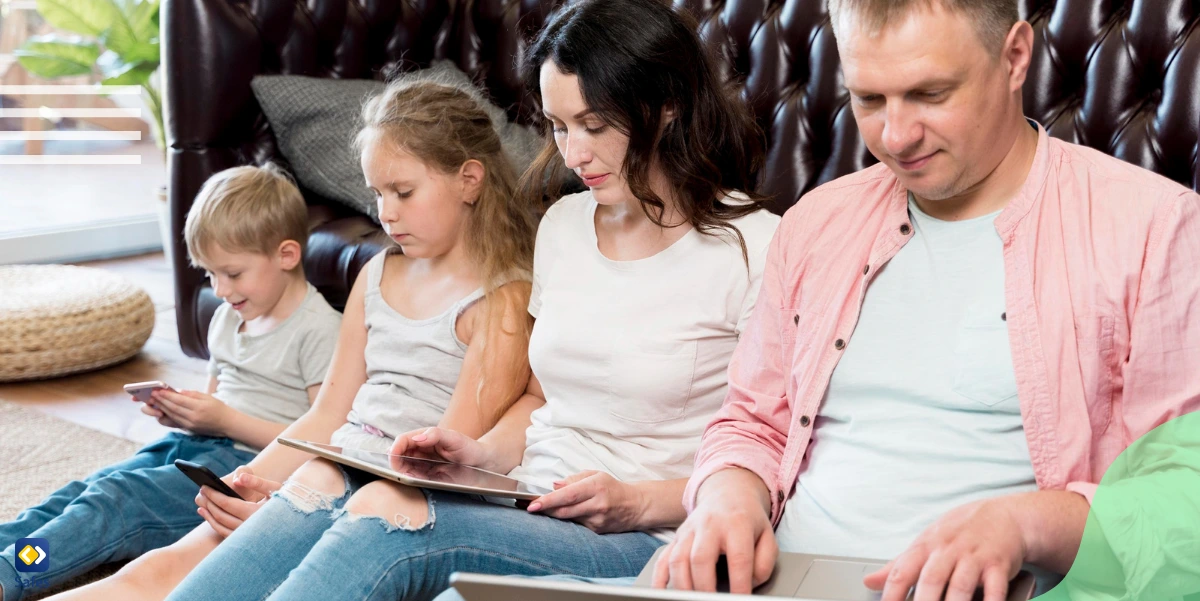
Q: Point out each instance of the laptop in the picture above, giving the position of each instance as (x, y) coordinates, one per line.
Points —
(796, 576)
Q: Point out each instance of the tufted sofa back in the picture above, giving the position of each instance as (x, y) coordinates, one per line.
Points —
(1121, 76)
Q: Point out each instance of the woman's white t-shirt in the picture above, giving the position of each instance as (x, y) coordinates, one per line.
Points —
(632, 355)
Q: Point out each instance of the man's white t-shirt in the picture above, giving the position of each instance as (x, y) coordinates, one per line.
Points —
(921, 415)
(632, 355)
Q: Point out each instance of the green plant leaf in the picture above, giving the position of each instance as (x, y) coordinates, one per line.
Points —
(88, 17)
(143, 18)
(132, 51)
(117, 72)
(49, 57)
(129, 35)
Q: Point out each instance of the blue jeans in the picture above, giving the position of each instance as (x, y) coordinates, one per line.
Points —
(302, 545)
(117, 513)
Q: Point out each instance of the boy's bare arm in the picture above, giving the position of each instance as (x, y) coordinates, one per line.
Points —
(259, 433)
(250, 430)
(246, 429)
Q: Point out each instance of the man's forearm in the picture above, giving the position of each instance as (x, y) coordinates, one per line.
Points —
(1051, 523)
(739, 479)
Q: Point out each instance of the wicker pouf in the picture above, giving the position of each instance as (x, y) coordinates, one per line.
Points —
(60, 319)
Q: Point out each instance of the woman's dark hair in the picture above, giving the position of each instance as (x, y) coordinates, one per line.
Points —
(633, 59)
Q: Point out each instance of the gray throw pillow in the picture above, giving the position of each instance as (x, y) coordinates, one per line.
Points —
(315, 121)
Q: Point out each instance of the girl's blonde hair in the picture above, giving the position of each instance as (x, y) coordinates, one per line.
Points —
(445, 126)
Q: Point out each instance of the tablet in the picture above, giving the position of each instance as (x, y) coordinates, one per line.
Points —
(422, 473)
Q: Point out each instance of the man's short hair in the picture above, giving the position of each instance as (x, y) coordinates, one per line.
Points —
(993, 18)
(246, 209)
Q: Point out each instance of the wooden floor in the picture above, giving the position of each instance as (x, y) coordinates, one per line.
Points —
(96, 399)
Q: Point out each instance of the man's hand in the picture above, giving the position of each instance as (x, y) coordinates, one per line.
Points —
(984, 544)
(731, 518)
(225, 513)
(978, 543)
(194, 411)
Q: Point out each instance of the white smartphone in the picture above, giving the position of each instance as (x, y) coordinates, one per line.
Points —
(141, 390)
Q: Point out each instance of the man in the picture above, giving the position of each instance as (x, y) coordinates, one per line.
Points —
(951, 347)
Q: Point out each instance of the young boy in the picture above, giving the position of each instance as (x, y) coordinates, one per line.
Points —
(271, 343)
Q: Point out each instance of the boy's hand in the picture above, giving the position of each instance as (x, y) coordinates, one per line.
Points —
(224, 514)
(195, 411)
(152, 410)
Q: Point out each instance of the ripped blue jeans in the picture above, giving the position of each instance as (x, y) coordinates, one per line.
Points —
(303, 545)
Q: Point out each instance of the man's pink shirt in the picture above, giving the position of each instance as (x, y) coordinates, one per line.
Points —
(1102, 289)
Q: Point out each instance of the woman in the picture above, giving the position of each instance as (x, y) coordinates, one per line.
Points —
(641, 286)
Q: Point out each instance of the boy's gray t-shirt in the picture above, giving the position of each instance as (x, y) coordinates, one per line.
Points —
(267, 376)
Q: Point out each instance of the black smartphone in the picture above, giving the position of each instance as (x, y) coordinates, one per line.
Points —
(205, 477)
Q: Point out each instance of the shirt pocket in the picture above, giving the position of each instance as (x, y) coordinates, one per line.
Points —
(983, 366)
(651, 382)
(1097, 365)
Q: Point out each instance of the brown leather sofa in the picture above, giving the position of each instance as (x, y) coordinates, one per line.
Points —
(1121, 76)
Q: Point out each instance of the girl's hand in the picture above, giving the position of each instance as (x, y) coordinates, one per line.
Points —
(226, 513)
(595, 499)
(195, 411)
(444, 444)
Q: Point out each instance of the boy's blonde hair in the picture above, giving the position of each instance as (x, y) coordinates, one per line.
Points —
(246, 209)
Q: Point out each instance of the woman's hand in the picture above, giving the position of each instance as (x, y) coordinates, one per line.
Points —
(194, 411)
(225, 513)
(596, 500)
(444, 444)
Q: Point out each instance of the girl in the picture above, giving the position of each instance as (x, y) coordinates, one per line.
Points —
(436, 335)
(641, 285)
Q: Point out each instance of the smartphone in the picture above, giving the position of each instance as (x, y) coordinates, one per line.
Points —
(205, 477)
(141, 390)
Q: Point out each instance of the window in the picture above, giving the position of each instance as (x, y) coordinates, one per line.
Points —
(79, 169)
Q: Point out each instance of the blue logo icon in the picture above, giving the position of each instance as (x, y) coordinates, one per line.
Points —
(33, 555)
